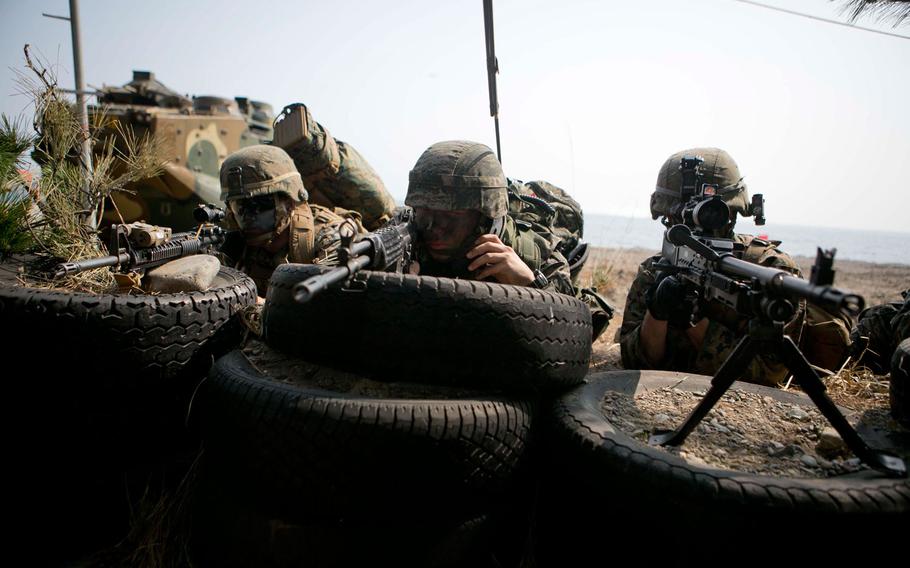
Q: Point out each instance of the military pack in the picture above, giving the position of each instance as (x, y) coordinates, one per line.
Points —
(334, 173)
(549, 208)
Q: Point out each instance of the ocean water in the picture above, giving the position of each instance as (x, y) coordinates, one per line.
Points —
(872, 246)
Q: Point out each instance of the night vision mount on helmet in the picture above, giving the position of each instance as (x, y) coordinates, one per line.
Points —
(703, 188)
(260, 170)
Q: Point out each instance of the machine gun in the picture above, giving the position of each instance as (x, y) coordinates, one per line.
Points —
(139, 246)
(769, 298)
(389, 249)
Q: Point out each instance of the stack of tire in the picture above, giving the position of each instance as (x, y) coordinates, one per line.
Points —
(297, 475)
(643, 502)
(99, 386)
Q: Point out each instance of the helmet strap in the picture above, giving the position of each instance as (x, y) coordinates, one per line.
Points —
(496, 226)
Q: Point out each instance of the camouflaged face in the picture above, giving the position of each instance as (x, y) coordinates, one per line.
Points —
(459, 174)
(718, 169)
(260, 170)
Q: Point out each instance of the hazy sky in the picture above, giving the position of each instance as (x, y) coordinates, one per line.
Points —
(593, 95)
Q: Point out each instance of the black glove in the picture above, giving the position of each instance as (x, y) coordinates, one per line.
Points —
(668, 300)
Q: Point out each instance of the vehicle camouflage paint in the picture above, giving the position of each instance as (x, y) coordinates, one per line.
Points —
(196, 134)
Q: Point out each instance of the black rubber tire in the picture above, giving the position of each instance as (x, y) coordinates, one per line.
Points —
(899, 390)
(623, 471)
(114, 373)
(154, 336)
(390, 326)
(102, 397)
(299, 453)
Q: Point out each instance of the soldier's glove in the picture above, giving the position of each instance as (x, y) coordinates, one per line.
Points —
(668, 300)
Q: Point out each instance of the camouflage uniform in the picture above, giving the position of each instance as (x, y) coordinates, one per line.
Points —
(462, 175)
(334, 173)
(879, 330)
(552, 213)
(725, 328)
(258, 263)
(557, 218)
(312, 231)
(531, 247)
(720, 338)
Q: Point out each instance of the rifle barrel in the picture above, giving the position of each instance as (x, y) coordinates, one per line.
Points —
(787, 284)
(773, 279)
(304, 291)
(67, 268)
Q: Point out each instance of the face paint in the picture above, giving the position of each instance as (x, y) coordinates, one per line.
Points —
(444, 233)
(255, 215)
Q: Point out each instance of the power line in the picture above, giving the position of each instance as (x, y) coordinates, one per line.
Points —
(811, 17)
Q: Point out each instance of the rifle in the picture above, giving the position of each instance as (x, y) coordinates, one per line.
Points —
(769, 298)
(388, 249)
(140, 246)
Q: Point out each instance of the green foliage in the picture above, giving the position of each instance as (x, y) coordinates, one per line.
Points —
(14, 197)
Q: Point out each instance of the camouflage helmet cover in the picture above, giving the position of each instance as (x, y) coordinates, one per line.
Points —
(260, 170)
(459, 174)
(718, 169)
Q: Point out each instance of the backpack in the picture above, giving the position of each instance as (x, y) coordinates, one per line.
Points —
(554, 214)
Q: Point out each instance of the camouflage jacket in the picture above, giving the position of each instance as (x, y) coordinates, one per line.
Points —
(879, 331)
(259, 263)
(559, 222)
(535, 250)
(719, 340)
(551, 212)
(336, 175)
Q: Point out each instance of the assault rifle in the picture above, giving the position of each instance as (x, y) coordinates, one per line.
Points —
(139, 246)
(769, 298)
(388, 249)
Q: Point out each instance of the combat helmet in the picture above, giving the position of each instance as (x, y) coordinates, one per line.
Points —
(260, 170)
(718, 170)
(459, 174)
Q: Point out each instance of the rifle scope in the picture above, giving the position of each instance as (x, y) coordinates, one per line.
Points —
(707, 214)
(208, 213)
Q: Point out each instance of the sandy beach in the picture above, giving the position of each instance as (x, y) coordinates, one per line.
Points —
(612, 270)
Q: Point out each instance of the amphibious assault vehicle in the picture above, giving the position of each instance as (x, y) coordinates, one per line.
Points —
(197, 133)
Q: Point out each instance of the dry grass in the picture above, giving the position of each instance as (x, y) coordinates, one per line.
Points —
(71, 199)
(858, 389)
(159, 530)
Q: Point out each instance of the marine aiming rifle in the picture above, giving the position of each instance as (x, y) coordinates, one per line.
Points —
(768, 298)
(388, 249)
(135, 247)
